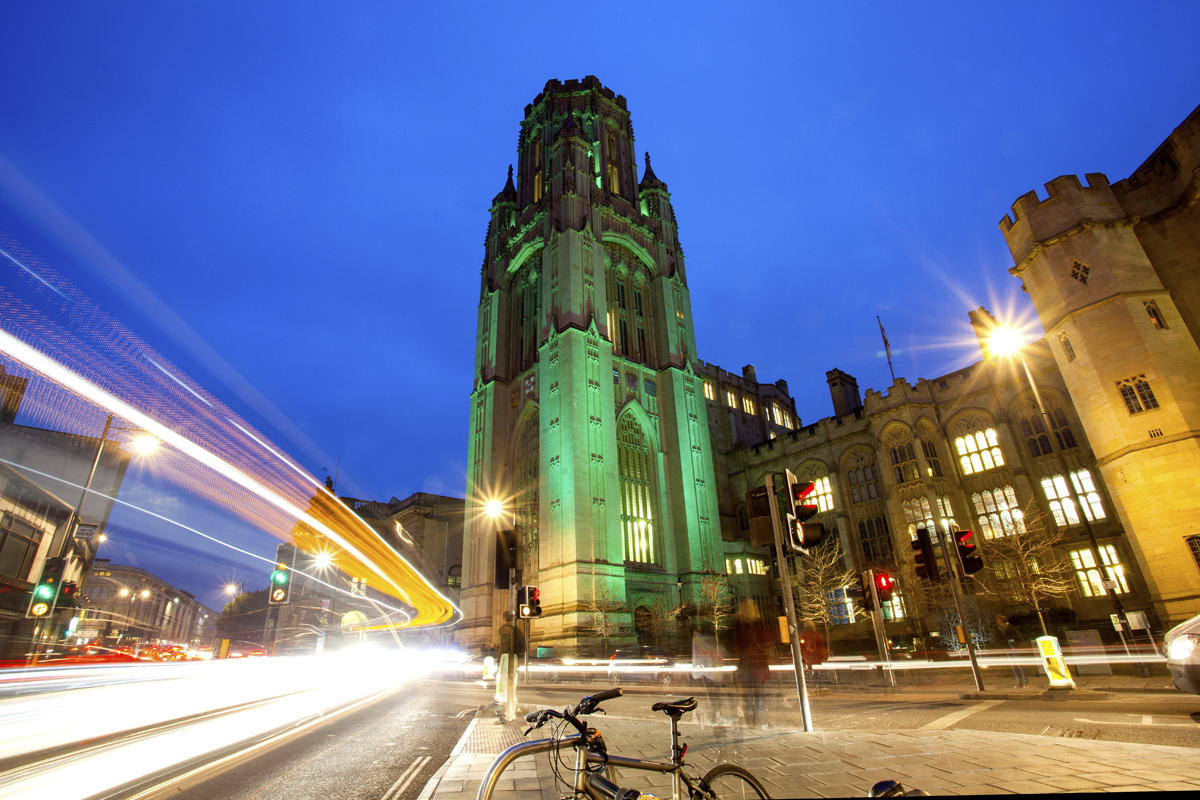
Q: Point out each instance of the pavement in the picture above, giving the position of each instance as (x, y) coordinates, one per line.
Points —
(846, 763)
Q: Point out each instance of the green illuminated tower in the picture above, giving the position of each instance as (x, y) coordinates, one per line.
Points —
(587, 417)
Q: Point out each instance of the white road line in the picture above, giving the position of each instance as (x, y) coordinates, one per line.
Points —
(941, 723)
(406, 778)
(1143, 722)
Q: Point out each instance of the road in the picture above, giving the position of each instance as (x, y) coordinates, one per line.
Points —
(390, 749)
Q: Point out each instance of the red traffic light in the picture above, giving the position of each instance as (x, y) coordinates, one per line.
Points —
(884, 586)
(967, 557)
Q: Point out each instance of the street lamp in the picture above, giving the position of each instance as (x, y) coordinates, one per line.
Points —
(1006, 342)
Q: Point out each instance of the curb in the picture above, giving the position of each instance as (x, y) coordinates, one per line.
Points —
(1049, 694)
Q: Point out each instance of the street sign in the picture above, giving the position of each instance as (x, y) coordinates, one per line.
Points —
(86, 532)
(1116, 621)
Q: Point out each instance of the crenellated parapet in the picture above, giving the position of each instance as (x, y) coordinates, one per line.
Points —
(1070, 208)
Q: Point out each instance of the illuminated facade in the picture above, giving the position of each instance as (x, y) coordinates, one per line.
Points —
(1111, 270)
(588, 411)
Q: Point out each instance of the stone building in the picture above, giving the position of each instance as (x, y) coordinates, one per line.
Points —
(1114, 274)
(424, 528)
(128, 605)
(629, 495)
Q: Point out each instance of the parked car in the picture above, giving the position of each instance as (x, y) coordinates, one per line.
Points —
(644, 663)
(1183, 655)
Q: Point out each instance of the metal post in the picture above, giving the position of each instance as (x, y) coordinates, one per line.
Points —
(953, 581)
(880, 633)
(1084, 511)
(528, 622)
(785, 584)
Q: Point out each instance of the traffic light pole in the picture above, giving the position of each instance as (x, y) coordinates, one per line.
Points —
(785, 585)
(880, 633)
(953, 581)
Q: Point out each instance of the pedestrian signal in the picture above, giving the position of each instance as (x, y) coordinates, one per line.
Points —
(967, 557)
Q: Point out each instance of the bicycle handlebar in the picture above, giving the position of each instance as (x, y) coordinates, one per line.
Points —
(587, 705)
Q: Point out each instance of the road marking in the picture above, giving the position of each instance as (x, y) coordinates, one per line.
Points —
(464, 712)
(941, 723)
(1143, 722)
(406, 778)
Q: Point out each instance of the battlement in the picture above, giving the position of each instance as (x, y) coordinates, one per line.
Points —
(1172, 170)
(591, 82)
(1069, 203)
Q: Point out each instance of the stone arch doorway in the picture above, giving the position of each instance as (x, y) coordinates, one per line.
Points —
(643, 625)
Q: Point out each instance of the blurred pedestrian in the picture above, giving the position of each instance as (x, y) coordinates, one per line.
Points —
(813, 650)
(1010, 637)
(751, 645)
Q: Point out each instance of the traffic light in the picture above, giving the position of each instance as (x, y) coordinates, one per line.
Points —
(529, 602)
(926, 561)
(967, 559)
(280, 592)
(45, 591)
(506, 557)
(758, 509)
(884, 586)
(800, 536)
(862, 592)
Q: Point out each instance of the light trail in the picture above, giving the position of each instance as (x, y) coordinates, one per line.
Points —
(33, 274)
(432, 606)
(187, 388)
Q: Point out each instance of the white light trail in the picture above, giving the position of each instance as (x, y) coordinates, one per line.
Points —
(189, 389)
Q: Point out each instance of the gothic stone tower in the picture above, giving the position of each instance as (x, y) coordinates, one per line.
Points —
(1112, 273)
(587, 417)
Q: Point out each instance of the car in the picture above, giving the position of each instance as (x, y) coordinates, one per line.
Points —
(644, 663)
(1182, 644)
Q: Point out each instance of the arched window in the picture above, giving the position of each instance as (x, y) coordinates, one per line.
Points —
(876, 544)
(821, 495)
(526, 505)
(743, 517)
(637, 516)
(863, 483)
(614, 181)
(1033, 428)
(979, 451)
(905, 460)
(931, 458)
(997, 512)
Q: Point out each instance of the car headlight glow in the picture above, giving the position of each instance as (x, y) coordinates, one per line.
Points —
(1182, 647)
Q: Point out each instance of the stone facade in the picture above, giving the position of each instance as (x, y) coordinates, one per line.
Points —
(1114, 274)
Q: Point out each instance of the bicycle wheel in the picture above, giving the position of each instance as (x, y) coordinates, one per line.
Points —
(731, 782)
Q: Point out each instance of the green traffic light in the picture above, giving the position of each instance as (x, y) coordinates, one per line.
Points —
(279, 576)
(44, 591)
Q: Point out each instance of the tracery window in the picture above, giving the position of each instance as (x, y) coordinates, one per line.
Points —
(1137, 394)
(709, 392)
(1087, 572)
(821, 495)
(614, 181)
(1156, 317)
(979, 451)
(526, 504)
(537, 168)
(863, 483)
(1062, 504)
(1034, 430)
(904, 462)
(637, 516)
(747, 404)
(876, 543)
(931, 458)
(730, 398)
(997, 512)
(920, 515)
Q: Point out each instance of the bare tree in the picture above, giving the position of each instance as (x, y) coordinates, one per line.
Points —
(980, 614)
(663, 615)
(1025, 567)
(606, 610)
(821, 573)
(715, 597)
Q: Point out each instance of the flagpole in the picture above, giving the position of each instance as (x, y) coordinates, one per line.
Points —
(887, 348)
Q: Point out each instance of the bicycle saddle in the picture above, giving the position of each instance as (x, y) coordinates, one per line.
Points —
(676, 708)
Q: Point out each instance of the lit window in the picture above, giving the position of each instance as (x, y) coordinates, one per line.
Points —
(919, 514)
(709, 393)
(1087, 572)
(775, 414)
(894, 608)
(1066, 346)
(728, 566)
(979, 451)
(747, 404)
(821, 495)
(905, 460)
(787, 420)
(730, 398)
(537, 168)
(931, 458)
(1137, 394)
(997, 512)
(637, 519)
(614, 183)
(841, 609)
(737, 566)
(1062, 505)
(1156, 318)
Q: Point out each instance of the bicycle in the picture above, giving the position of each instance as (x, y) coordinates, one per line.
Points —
(722, 782)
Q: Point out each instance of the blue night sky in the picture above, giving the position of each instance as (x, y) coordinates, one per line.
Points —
(293, 196)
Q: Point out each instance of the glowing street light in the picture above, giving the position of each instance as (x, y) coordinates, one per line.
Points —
(494, 508)
(144, 445)
(1005, 341)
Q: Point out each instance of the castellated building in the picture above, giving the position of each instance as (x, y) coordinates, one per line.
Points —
(621, 459)
(1114, 274)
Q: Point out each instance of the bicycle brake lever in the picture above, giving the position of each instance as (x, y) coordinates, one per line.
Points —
(527, 730)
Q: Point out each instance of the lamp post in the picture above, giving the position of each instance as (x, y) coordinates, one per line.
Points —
(506, 683)
(1006, 341)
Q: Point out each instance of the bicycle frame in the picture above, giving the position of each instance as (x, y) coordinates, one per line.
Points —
(584, 779)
